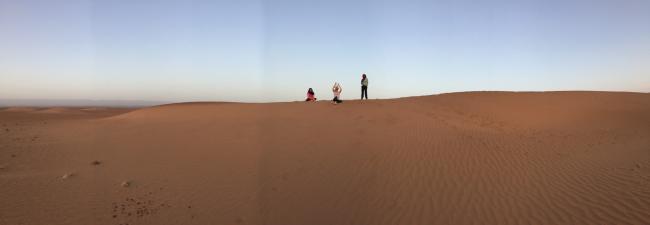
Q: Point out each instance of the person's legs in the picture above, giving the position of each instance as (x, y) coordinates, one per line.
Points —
(336, 100)
(364, 91)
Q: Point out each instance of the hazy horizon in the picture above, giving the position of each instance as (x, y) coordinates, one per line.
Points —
(77, 103)
(4, 103)
(267, 51)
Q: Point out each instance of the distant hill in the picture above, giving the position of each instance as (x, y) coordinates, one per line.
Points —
(76, 103)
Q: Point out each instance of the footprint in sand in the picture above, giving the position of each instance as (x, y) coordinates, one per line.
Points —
(136, 207)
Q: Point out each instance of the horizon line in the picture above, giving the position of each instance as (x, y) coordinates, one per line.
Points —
(77, 102)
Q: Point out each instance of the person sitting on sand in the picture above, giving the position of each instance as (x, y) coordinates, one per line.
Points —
(337, 89)
(310, 96)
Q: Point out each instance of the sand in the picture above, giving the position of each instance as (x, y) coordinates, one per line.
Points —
(462, 158)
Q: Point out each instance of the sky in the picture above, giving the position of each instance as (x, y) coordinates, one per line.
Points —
(274, 50)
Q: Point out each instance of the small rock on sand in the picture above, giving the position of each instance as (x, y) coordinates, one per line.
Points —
(638, 166)
(67, 175)
(95, 163)
(126, 184)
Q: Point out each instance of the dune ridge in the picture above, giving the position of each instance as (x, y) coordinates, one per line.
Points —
(460, 158)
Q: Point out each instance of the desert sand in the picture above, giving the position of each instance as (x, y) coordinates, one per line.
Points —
(460, 158)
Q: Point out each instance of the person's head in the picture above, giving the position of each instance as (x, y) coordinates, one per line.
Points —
(363, 76)
(310, 91)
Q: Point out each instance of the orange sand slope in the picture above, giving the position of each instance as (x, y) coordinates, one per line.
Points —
(463, 158)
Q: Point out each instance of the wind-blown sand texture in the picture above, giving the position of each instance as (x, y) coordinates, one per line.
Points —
(462, 158)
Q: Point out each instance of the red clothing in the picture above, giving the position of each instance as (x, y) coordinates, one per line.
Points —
(311, 97)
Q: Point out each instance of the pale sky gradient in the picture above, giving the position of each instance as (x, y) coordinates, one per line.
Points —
(258, 51)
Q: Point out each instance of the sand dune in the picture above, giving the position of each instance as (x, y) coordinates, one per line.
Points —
(59, 110)
(19, 109)
(461, 158)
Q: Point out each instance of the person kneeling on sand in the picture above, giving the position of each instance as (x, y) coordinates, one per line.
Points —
(337, 89)
(310, 96)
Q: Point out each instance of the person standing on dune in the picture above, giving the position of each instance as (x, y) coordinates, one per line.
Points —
(364, 86)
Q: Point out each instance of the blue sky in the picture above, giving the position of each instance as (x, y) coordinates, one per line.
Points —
(259, 51)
